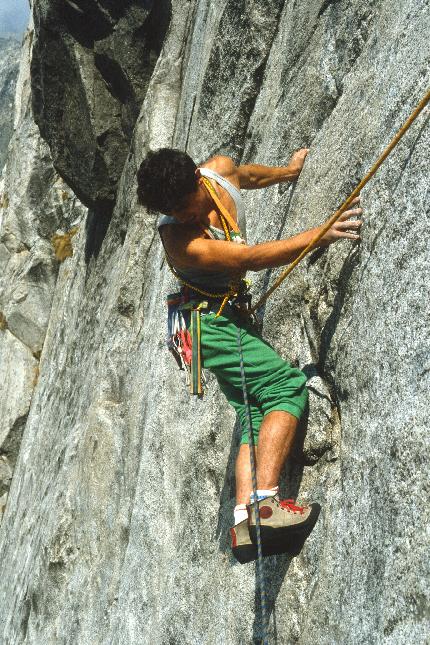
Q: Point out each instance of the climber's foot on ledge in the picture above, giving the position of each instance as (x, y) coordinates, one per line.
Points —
(282, 521)
(284, 528)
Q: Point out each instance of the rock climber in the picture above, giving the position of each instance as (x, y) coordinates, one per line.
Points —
(193, 230)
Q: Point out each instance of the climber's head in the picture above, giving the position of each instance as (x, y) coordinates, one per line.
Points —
(168, 182)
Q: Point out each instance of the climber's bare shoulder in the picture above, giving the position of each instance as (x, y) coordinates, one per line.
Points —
(225, 167)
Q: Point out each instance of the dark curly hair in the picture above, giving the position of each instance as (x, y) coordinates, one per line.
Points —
(165, 178)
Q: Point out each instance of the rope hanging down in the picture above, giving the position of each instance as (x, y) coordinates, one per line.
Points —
(347, 202)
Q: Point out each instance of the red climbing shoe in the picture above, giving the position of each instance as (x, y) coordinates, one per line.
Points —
(285, 536)
(283, 524)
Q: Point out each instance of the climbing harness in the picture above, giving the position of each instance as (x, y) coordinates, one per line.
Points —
(260, 569)
(185, 307)
(184, 310)
(347, 201)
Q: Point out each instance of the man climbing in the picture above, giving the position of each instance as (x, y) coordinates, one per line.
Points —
(204, 247)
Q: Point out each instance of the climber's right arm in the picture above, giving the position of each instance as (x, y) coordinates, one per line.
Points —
(187, 249)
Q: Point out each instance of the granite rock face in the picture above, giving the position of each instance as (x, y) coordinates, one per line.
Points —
(116, 525)
(35, 204)
(9, 65)
(91, 65)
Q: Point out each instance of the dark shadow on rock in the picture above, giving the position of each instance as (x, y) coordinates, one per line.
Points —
(96, 227)
(275, 569)
(93, 62)
(332, 321)
(410, 153)
(225, 512)
(314, 256)
(86, 22)
(310, 370)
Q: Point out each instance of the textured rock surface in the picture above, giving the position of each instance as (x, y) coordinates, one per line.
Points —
(36, 203)
(130, 483)
(90, 69)
(9, 64)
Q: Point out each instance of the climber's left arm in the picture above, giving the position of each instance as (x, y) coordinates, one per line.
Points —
(253, 176)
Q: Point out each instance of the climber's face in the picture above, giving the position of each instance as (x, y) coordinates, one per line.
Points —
(195, 207)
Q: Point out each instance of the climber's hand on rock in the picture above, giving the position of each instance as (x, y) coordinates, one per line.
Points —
(296, 163)
(344, 227)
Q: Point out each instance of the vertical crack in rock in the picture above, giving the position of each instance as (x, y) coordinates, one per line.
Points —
(9, 450)
(249, 32)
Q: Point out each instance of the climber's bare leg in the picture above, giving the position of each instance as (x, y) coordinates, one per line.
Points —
(276, 437)
(275, 440)
(243, 475)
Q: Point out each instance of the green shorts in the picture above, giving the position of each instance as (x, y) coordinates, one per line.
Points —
(272, 383)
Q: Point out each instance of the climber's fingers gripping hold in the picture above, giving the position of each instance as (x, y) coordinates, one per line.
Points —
(344, 227)
(351, 212)
(347, 227)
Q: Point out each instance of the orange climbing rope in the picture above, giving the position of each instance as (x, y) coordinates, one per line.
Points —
(347, 201)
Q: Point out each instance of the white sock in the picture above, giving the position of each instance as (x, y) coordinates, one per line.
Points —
(264, 492)
(240, 513)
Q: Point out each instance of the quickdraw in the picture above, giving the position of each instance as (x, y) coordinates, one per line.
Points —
(178, 336)
(182, 314)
